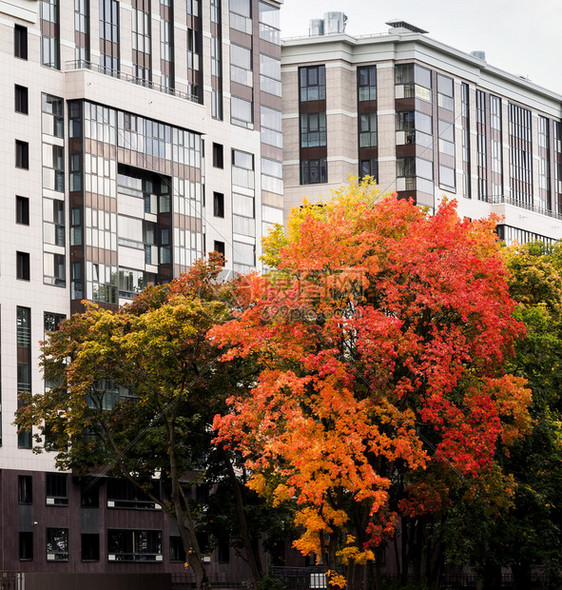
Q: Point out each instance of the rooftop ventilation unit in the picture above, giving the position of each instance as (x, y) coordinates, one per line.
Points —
(479, 54)
(316, 27)
(334, 23)
(401, 27)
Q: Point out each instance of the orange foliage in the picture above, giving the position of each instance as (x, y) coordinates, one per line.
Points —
(379, 322)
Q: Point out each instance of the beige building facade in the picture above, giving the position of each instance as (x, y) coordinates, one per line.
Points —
(426, 121)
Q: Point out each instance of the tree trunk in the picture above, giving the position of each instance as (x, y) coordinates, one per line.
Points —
(252, 553)
(491, 577)
(183, 517)
(521, 575)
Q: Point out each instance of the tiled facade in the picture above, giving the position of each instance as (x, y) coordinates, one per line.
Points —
(425, 120)
(137, 135)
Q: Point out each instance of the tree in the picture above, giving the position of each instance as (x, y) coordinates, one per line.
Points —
(528, 535)
(381, 336)
(133, 393)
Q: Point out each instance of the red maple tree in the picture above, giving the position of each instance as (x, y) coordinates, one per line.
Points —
(381, 336)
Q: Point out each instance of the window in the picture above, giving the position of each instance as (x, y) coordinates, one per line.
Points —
(121, 493)
(22, 266)
(132, 545)
(218, 155)
(50, 46)
(219, 247)
(412, 81)
(314, 171)
(20, 99)
(270, 74)
(218, 204)
(269, 23)
(25, 546)
(89, 493)
(177, 550)
(312, 83)
(52, 321)
(240, 15)
(271, 126)
(54, 269)
(52, 108)
(22, 154)
(82, 32)
(22, 210)
(56, 489)
(445, 93)
(109, 37)
(20, 41)
(90, 550)
(223, 551)
(313, 129)
(244, 255)
(25, 489)
(272, 176)
(241, 112)
(241, 65)
(243, 169)
(367, 83)
(23, 337)
(367, 130)
(57, 544)
(369, 167)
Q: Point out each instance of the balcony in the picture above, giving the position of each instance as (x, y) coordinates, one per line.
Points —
(127, 75)
(536, 208)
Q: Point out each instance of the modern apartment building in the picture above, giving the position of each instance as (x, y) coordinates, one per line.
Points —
(423, 119)
(137, 136)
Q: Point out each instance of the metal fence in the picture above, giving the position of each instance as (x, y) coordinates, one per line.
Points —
(11, 581)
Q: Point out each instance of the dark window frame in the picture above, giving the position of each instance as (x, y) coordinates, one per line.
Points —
(218, 204)
(22, 210)
(23, 266)
(20, 42)
(22, 154)
(21, 99)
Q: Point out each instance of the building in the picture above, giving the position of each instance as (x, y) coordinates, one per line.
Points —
(423, 119)
(138, 135)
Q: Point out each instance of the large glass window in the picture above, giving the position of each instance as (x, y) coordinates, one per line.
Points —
(241, 15)
(241, 65)
(109, 37)
(270, 74)
(367, 83)
(314, 171)
(56, 489)
(241, 112)
(413, 81)
(269, 23)
(134, 545)
(82, 32)
(367, 130)
(313, 129)
(50, 45)
(271, 127)
(141, 43)
(23, 337)
(57, 544)
(312, 82)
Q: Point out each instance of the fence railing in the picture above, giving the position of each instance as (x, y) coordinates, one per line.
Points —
(122, 74)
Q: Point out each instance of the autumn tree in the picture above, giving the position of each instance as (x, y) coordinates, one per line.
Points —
(133, 392)
(381, 333)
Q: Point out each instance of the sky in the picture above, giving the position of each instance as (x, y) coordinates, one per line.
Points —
(519, 36)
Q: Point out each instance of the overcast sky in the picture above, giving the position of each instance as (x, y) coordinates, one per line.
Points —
(520, 36)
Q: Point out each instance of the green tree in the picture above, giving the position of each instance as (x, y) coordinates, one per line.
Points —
(527, 535)
(133, 393)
